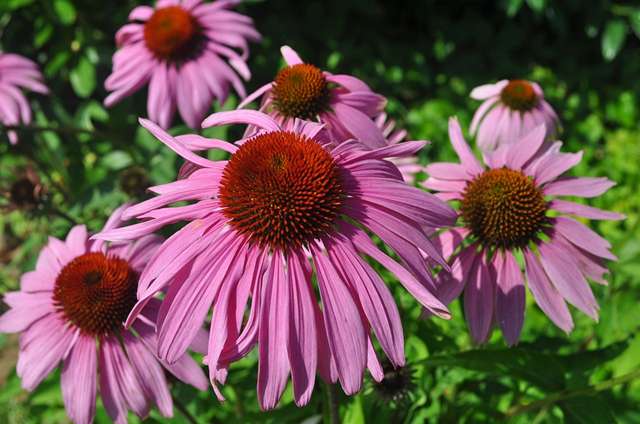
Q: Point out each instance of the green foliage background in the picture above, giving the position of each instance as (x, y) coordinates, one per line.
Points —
(425, 56)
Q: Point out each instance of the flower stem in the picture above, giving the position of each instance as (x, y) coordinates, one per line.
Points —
(333, 404)
(184, 411)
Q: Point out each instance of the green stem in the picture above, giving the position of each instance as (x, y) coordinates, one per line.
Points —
(63, 214)
(333, 404)
(184, 411)
(568, 394)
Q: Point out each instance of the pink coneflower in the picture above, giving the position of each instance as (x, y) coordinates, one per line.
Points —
(510, 210)
(282, 209)
(17, 72)
(408, 166)
(302, 91)
(71, 310)
(511, 109)
(184, 50)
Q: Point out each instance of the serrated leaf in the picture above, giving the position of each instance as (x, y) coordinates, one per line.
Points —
(613, 38)
(83, 78)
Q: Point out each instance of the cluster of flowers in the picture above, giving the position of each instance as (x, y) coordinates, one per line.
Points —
(290, 215)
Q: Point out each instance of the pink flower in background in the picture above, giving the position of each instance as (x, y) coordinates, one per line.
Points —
(302, 91)
(408, 166)
(185, 51)
(512, 209)
(510, 110)
(71, 310)
(16, 73)
(283, 208)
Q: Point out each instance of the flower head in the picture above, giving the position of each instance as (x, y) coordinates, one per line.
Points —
(71, 308)
(184, 50)
(302, 91)
(510, 110)
(283, 212)
(508, 209)
(16, 73)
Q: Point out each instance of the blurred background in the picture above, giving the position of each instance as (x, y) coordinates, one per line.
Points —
(425, 56)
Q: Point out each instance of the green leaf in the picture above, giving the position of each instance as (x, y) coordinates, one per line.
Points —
(513, 6)
(541, 369)
(355, 413)
(117, 159)
(14, 4)
(587, 410)
(65, 10)
(83, 78)
(634, 21)
(613, 38)
(537, 5)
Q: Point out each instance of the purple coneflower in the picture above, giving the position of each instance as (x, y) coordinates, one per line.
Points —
(302, 91)
(184, 50)
(17, 72)
(282, 212)
(510, 110)
(510, 212)
(71, 310)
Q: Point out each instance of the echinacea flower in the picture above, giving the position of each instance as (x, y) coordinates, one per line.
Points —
(16, 73)
(282, 209)
(510, 110)
(184, 50)
(511, 209)
(71, 308)
(302, 91)
(408, 166)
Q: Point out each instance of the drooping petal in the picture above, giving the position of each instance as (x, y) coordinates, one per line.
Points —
(545, 294)
(273, 368)
(347, 341)
(510, 298)
(479, 298)
(303, 339)
(78, 381)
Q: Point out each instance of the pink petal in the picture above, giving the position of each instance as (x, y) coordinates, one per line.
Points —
(565, 275)
(273, 367)
(583, 237)
(346, 334)
(360, 125)
(26, 308)
(479, 297)
(303, 339)
(149, 373)
(42, 346)
(525, 148)
(510, 299)
(583, 210)
(290, 56)
(488, 90)
(581, 187)
(78, 381)
(546, 295)
(375, 299)
(467, 159)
